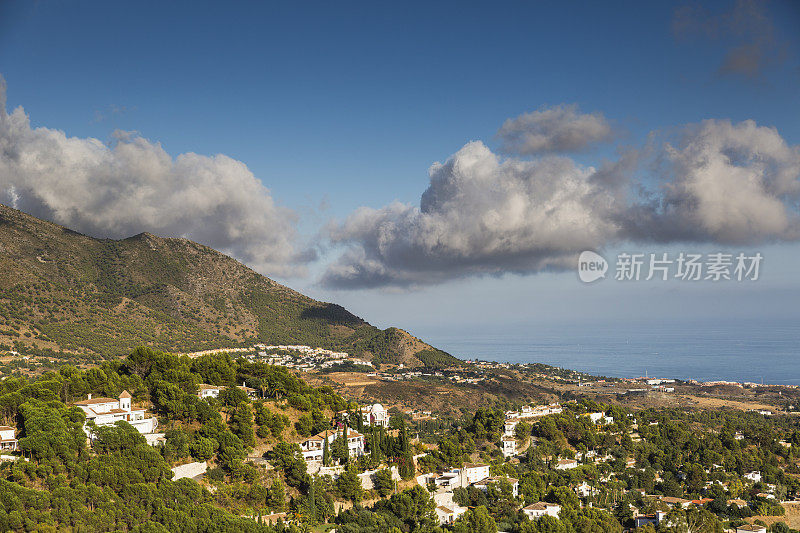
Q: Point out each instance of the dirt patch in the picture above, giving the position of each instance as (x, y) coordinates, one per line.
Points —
(706, 402)
(792, 517)
(348, 379)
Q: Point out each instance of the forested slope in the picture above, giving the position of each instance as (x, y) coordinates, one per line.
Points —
(63, 291)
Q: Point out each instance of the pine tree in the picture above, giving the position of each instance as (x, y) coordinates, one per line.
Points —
(242, 424)
(349, 486)
(277, 496)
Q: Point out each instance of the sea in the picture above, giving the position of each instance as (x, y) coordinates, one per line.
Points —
(742, 351)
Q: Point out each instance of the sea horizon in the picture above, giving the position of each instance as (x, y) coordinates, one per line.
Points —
(740, 351)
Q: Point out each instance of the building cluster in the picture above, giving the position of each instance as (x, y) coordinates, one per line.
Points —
(215, 351)
(456, 376)
(489, 365)
(469, 475)
(296, 356)
(418, 415)
(301, 357)
(313, 448)
(660, 516)
(528, 412)
(653, 385)
(109, 411)
(303, 349)
(508, 444)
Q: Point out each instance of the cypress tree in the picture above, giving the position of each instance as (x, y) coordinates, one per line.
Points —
(403, 437)
(359, 421)
(326, 453)
(312, 500)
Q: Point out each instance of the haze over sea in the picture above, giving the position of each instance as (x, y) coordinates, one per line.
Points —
(731, 351)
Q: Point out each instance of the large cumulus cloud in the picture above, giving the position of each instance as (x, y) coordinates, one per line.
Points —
(482, 213)
(134, 185)
(724, 183)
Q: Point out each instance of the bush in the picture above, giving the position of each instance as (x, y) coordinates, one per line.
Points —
(216, 475)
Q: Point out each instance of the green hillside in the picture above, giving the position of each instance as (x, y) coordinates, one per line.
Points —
(63, 291)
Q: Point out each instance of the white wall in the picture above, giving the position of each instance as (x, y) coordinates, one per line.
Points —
(189, 470)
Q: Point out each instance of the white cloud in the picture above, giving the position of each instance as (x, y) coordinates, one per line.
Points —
(482, 214)
(556, 129)
(726, 183)
(134, 185)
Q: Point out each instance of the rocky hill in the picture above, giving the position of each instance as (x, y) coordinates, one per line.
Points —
(63, 291)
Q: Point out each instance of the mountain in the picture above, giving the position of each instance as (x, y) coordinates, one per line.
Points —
(100, 298)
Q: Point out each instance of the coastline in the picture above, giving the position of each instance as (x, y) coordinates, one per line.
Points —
(728, 353)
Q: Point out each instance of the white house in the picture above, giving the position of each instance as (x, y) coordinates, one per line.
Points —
(448, 515)
(540, 509)
(313, 447)
(208, 391)
(554, 409)
(251, 392)
(754, 476)
(672, 500)
(375, 415)
(584, 490)
(473, 472)
(509, 445)
(8, 440)
(448, 479)
(566, 464)
(510, 426)
(108, 411)
(642, 520)
(484, 483)
(600, 418)
(355, 442)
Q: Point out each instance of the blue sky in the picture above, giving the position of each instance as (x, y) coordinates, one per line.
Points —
(334, 107)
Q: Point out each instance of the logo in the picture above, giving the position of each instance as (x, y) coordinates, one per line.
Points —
(591, 266)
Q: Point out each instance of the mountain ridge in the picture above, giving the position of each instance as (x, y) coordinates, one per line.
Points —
(63, 291)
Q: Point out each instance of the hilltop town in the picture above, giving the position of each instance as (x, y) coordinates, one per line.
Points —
(260, 446)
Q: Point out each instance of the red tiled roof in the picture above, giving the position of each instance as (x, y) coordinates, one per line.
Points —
(95, 401)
